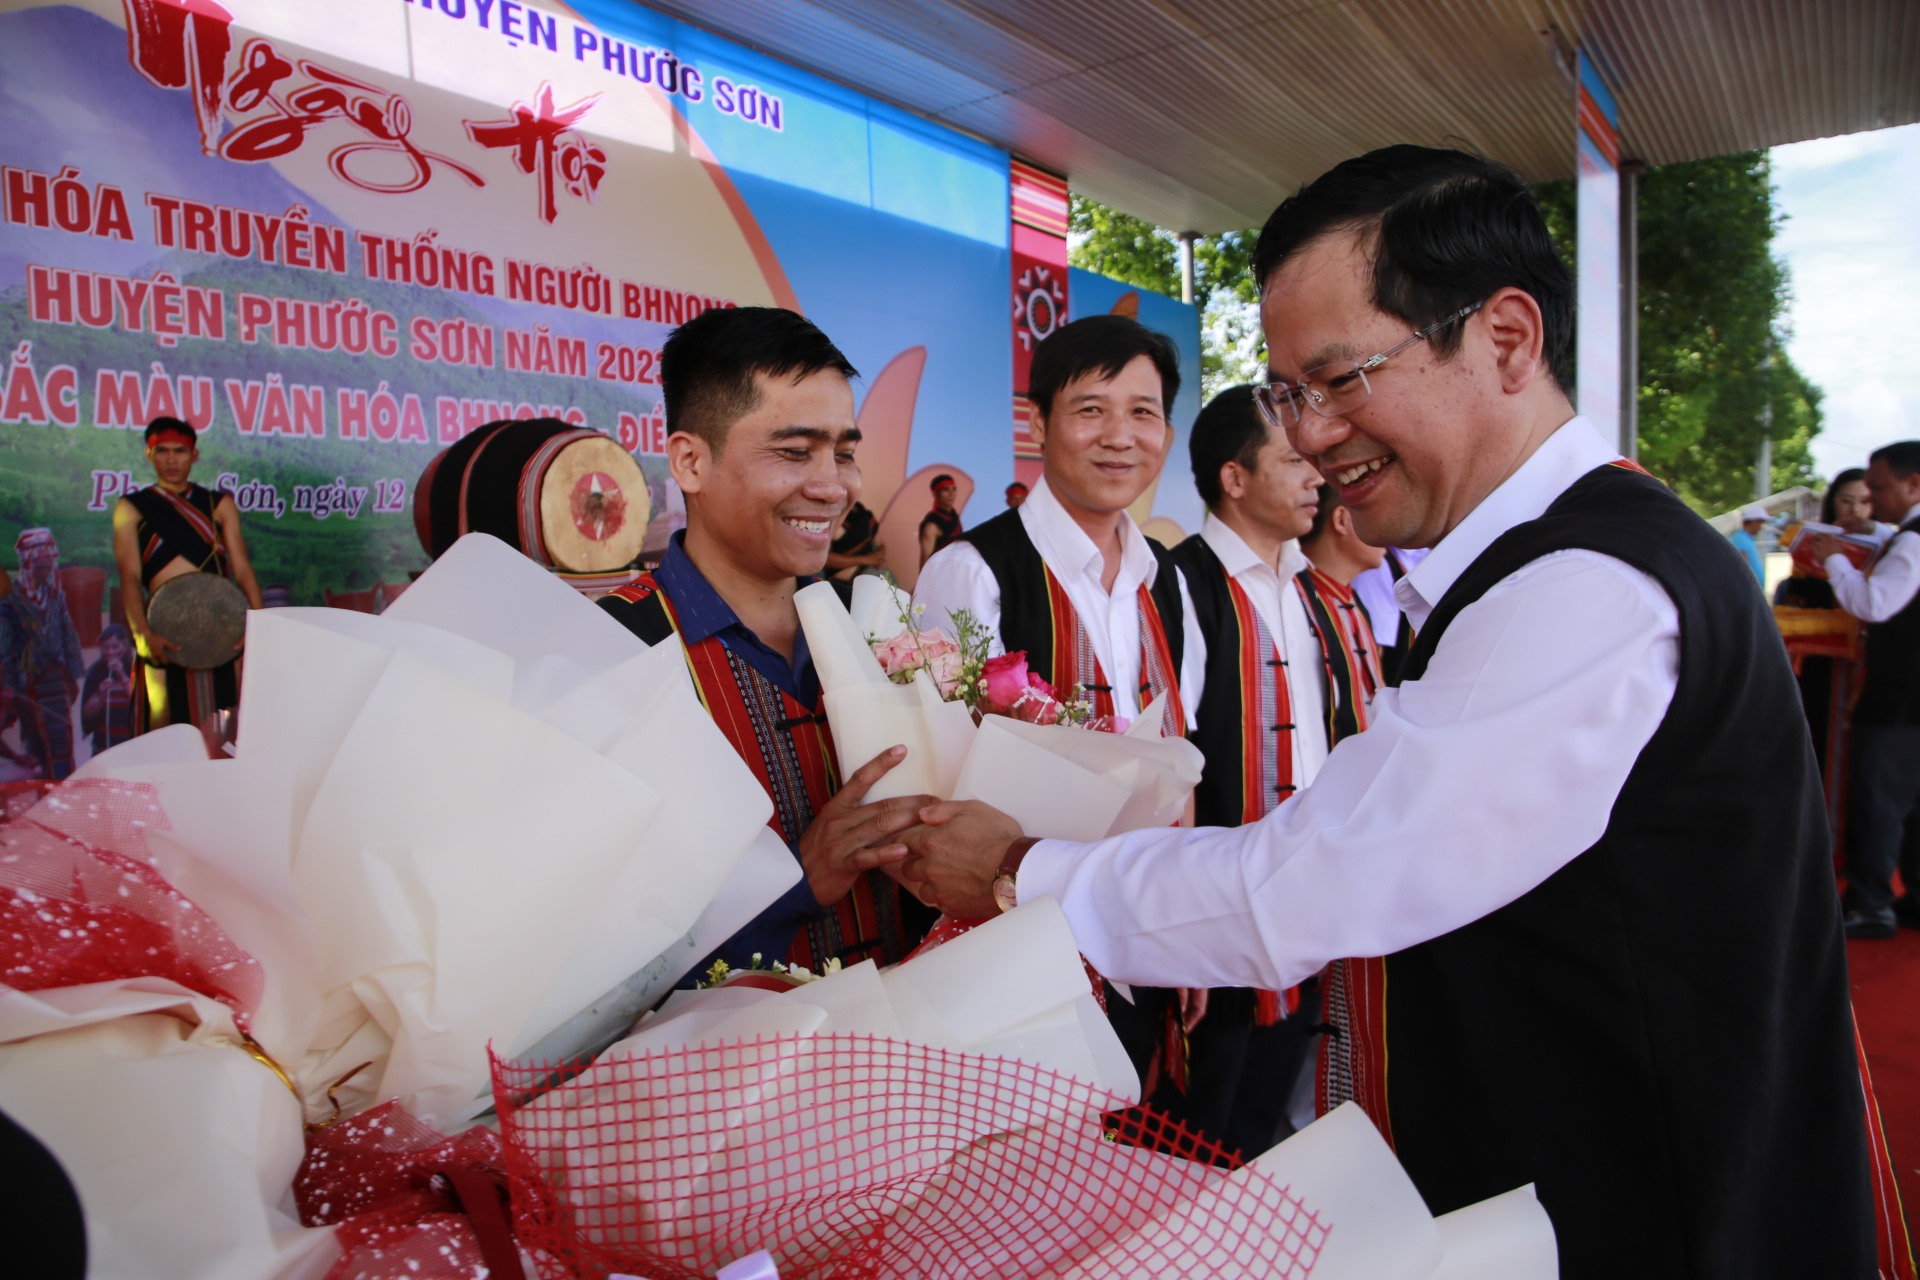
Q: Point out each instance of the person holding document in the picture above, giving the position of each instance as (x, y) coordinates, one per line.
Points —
(1580, 853)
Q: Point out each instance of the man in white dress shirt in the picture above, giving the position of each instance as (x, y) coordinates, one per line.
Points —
(1883, 790)
(1584, 839)
(1069, 579)
(1259, 693)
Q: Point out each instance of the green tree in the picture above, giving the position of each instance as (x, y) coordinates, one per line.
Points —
(1127, 248)
(1712, 340)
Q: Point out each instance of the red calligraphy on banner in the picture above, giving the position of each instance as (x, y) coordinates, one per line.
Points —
(545, 146)
(328, 95)
(183, 44)
(1039, 215)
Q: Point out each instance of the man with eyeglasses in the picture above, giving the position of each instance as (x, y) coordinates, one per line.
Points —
(1580, 852)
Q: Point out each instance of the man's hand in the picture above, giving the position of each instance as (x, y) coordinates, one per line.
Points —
(956, 853)
(847, 837)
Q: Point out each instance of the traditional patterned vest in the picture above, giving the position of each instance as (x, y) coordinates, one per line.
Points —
(1658, 1036)
(790, 750)
(1353, 659)
(1245, 720)
(1036, 616)
(178, 525)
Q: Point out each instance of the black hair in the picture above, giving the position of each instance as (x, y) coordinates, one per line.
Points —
(1902, 457)
(1104, 345)
(708, 365)
(1832, 495)
(937, 481)
(1322, 514)
(1447, 230)
(159, 425)
(1229, 429)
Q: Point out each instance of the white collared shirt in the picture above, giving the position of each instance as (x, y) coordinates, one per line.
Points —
(1275, 598)
(1472, 785)
(1890, 583)
(957, 577)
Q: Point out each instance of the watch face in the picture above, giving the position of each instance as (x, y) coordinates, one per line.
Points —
(1003, 892)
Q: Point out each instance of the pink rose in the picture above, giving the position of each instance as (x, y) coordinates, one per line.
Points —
(1006, 678)
(946, 669)
(1040, 704)
(898, 654)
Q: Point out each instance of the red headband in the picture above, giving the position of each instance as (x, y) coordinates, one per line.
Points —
(170, 435)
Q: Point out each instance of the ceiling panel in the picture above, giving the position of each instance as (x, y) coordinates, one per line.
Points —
(1204, 114)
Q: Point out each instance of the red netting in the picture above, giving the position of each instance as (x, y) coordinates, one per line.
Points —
(850, 1156)
(383, 1176)
(80, 900)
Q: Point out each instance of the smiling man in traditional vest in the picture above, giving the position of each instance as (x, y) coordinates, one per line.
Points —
(1068, 578)
(761, 440)
(1598, 733)
(1260, 693)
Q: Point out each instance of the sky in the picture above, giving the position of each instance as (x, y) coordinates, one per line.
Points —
(1851, 242)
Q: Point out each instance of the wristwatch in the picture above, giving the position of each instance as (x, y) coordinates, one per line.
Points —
(1004, 895)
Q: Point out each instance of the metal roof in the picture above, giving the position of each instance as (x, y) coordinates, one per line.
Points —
(1204, 114)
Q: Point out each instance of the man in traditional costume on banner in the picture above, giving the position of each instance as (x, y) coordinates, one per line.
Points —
(171, 528)
(1336, 555)
(761, 440)
(1260, 697)
(1070, 580)
(1583, 840)
(40, 658)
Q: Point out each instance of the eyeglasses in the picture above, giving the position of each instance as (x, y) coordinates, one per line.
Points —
(1333, 394)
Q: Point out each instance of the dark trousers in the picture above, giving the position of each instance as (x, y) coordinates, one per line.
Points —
(1883, 814)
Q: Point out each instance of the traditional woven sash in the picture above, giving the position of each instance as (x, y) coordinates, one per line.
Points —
(790, 751)
(1075, 663)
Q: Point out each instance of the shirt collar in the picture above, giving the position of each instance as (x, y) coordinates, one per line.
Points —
(703, 613)
(1566, 455)
(1237, 557)
(1913, 513)
(1067, 549)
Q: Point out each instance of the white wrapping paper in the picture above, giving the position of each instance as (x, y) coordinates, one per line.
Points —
(1013, 987)
(1506, 1238)
(444, 828)
(1056, 780)
(180, 1146)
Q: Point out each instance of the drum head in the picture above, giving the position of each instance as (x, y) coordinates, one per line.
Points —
(593, 506)
(204, 613)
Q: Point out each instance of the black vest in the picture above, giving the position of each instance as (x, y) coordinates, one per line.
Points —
(1026, 618)
(1660, 1034)
(1891, 692)
(1219, 799)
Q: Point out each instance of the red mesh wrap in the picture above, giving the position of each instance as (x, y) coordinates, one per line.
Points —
(851, 1156)
(81, 902)
(403, 1194)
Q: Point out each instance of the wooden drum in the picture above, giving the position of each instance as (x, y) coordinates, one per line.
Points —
(568, 497)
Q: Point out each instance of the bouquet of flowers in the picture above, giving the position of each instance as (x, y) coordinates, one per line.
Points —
(962, 670)
(982, 726)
